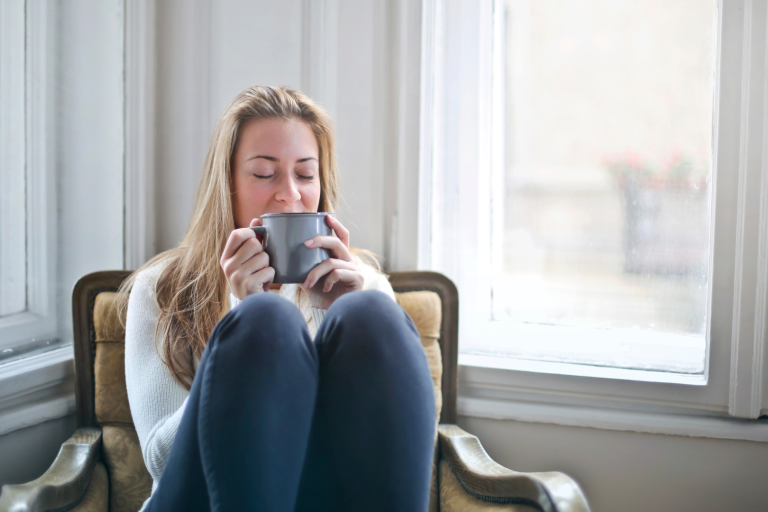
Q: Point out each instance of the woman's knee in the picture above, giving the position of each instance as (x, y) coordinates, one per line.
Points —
(370, 317)
(261, 321)
(365, 306)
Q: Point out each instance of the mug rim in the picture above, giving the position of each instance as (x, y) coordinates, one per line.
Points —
(287, 214)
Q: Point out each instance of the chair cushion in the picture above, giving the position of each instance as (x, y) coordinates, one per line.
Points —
(111, 395)
(129, 482)
(453, 497)
(106, 319)
(425, 310)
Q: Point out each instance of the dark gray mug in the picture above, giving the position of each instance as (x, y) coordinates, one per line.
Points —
(283, 236)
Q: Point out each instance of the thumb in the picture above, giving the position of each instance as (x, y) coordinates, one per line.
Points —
(255, 222)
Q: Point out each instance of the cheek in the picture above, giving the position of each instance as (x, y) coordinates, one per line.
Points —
(311, 196)
(250, 199)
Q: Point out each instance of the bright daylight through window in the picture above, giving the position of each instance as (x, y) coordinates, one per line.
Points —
(600, 228)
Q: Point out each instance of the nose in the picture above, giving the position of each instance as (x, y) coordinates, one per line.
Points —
(287, 192)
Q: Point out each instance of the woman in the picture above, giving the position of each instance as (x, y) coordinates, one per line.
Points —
(235, 405)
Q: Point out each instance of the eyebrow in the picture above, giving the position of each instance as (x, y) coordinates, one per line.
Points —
(273, 159)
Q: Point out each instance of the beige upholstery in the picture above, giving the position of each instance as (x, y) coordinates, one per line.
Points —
(453, 497)
(96, 497)
(111, 396)
(424, 309)
(106, 322)
(129, 482)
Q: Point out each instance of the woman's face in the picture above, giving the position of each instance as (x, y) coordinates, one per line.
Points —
(275, 169)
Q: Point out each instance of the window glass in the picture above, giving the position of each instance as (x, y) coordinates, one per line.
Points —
(607, 182)
(13, 245)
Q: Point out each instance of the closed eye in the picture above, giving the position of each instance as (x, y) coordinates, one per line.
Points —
(263, 176)
(306, 178)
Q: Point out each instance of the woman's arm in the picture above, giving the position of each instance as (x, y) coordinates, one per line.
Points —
(157, 401)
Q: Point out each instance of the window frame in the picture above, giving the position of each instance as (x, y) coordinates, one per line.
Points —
(734, 380)
(39, 322)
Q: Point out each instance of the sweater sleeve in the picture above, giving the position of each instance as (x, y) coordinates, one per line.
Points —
(377, 281)
(157, 401)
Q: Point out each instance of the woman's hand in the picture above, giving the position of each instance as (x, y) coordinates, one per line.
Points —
(245, 263)
(337, 275)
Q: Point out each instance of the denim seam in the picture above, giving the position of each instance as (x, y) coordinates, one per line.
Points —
(204, 427)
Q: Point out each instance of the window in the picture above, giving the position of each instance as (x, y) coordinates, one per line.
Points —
(583, 243)
(604, 216)
(13, 259)
(27, 308)
(593, 208)
(63, 149)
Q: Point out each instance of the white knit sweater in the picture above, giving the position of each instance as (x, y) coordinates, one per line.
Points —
(157, 401)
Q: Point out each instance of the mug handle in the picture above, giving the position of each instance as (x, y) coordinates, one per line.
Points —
(261, 230)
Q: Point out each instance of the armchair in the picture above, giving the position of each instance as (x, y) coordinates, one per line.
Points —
(100, 467)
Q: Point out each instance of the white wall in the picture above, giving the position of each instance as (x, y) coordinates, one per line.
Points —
(632, 472)
(26, 453)
(88, 94)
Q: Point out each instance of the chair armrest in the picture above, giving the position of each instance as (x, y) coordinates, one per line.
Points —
(65, 482)
(484, 478)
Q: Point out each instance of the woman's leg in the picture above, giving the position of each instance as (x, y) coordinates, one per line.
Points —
(242, 440)
(374, 427)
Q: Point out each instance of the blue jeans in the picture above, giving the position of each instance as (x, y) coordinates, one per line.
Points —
(277, 422)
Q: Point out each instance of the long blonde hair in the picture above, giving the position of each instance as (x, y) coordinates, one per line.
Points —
(192, 290)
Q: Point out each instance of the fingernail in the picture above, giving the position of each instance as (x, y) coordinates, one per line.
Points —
(309, 243)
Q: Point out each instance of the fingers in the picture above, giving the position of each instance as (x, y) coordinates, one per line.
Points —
(334, 245)
(245, 264)
(255, 283)
(250, 267)
(250, 248)
(326, 267)
(350, 278)
(235, 241)
(338, 227)
(256, 222)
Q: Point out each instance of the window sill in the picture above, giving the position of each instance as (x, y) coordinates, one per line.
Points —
(513, 390)
(647, 355)
(579, 370)
(36, 389)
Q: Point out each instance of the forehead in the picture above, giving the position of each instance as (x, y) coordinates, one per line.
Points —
(276, 137)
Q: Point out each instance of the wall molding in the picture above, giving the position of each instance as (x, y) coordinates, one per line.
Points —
(430, 118)
(704, 425)
(319, 53)
(403, 141)
(750, 281)
(139, 177)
